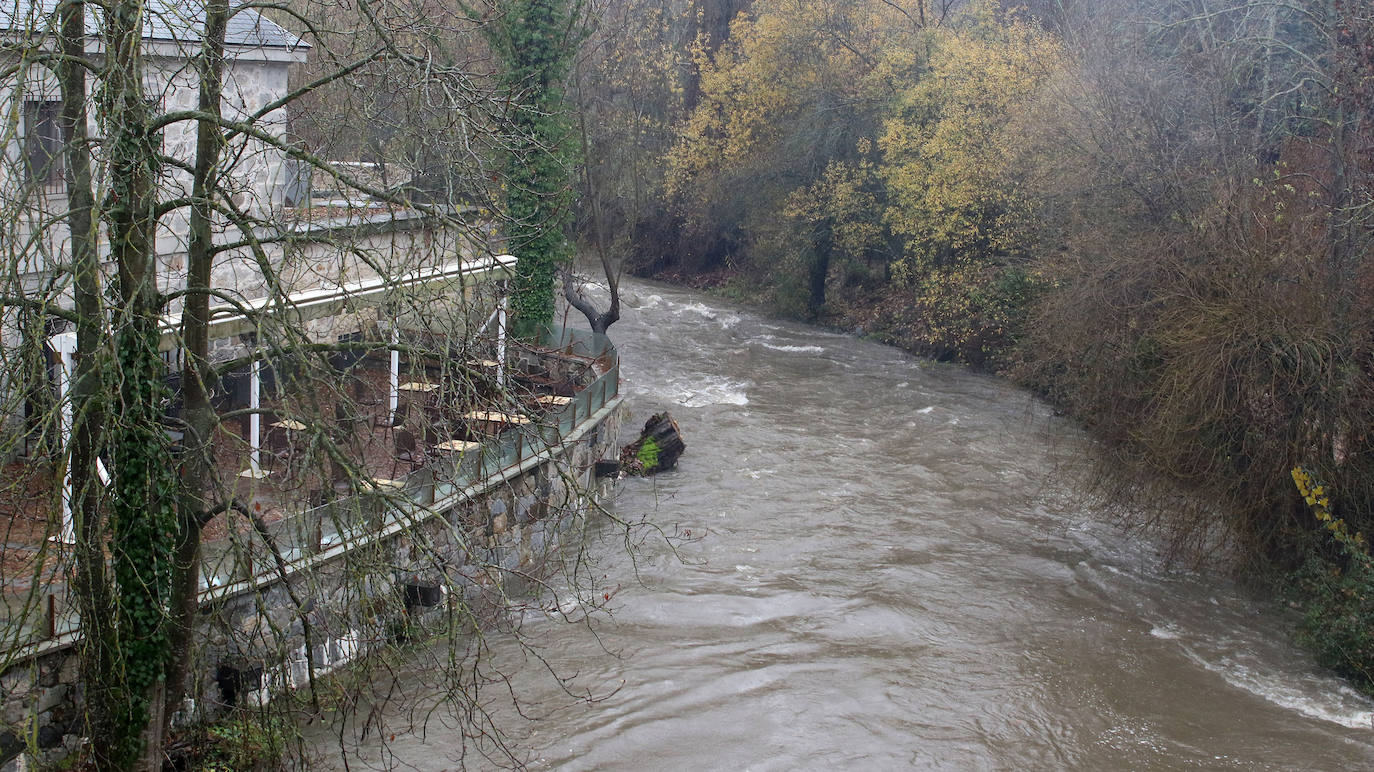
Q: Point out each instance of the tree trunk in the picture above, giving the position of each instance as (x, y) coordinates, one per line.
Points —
(819, 270)
(657, 449)
(140, 523)
(91, 584)
(196, 375)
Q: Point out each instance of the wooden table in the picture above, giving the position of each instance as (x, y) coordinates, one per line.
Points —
(280, 434)
(491, 422)
(553, 400)
(457, 446)
(492, 415)
(383, 484)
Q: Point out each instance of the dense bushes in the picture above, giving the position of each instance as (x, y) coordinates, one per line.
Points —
(1214, 325)
(1336, 588)
(1160, 215)
(1207, 309)
(1156, 217)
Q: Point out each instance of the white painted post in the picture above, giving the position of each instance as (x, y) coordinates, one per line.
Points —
(393, 400)
(255, 419)
(501, 336)
(65, 346)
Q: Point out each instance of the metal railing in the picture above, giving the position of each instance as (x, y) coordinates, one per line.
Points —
(244, 559)
(438, 485)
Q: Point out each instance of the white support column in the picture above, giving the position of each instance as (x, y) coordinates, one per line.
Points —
(394, 396)
(501, 335)
(65, 346)
(255, 419)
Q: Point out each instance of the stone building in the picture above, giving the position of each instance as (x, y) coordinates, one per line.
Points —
(32, 186)
(310, 245)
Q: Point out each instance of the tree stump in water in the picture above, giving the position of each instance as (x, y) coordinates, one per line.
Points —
(657, 448)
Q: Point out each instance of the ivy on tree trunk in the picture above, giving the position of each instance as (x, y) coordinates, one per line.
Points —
(535, 41)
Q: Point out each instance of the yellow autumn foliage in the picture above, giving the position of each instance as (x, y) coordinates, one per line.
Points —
(947, 147)
(1319, 501)
(789, 66)
(839, 143)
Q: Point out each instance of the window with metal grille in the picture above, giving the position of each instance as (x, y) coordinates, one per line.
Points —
(43, 142)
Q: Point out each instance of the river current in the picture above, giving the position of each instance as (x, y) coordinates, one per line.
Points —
(889, 568)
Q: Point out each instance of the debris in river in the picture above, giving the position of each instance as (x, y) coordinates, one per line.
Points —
(657, 448)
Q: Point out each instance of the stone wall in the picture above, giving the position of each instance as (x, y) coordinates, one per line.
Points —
(256, 635)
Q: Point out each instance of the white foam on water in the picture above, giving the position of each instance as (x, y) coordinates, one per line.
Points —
(1164, 632)
(1339, 705)
(710, 390)
(725, 319)
(793, 349)
(700, 309)
(927, 410)
(695, 392)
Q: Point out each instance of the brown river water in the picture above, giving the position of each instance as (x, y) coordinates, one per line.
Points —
(890, 569)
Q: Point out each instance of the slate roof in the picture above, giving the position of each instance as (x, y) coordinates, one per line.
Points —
(179, 21)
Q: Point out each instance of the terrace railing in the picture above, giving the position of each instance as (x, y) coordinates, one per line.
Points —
(441, 484)
(310, 534)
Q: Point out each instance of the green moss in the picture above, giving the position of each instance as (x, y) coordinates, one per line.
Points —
(648, 454)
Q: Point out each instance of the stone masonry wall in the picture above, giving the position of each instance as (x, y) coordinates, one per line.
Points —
(253, 642)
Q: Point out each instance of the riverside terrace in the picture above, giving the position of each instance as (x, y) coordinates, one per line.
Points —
(324, 451)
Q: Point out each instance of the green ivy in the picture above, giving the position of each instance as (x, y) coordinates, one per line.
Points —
(1337, 601)
(142, 526)
(1335, 589)
(534, 41)
(244, 743)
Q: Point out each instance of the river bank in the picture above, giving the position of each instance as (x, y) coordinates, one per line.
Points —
(875, 314)
(888, 565)
(1329, 581)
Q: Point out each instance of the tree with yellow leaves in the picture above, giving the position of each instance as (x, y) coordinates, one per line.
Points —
(947, 147)
(954, 200)
(783, 108)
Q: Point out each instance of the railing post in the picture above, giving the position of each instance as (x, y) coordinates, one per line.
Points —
(501, 336)
(255, 417)
(243, 561)
(394, 383)
(65, 346)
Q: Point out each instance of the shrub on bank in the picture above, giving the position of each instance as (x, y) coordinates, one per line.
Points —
(1335, 590)
(1336, 597)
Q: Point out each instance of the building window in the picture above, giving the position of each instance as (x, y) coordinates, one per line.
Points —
(43, 142)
